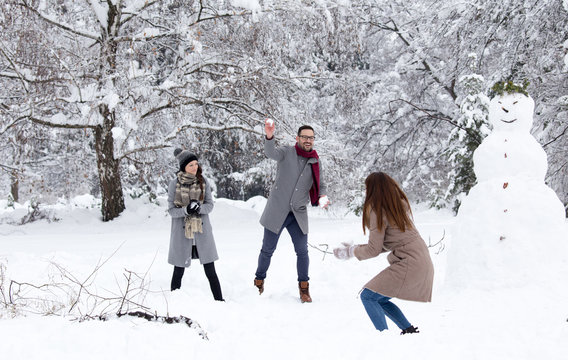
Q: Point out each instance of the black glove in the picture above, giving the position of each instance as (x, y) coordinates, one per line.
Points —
(193, 207)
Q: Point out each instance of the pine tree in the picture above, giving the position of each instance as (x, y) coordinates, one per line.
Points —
(471, 128)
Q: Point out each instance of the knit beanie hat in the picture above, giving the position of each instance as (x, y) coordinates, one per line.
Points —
(184, 157)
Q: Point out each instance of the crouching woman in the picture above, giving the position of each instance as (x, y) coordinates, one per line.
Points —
(388, 217)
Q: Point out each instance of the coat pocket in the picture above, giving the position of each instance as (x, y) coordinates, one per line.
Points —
(394, 257)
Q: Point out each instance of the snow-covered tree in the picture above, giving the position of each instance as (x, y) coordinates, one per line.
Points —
(127, 72)
(120, 83)
(471, 127)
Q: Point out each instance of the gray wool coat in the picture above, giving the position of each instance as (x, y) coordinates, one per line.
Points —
(180, 246)
(291, 189)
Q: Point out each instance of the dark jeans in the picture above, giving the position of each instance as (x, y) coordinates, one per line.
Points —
(211, 276)
(378, 306)
(300, 241)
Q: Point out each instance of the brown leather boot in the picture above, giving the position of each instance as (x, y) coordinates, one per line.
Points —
(305, 292)
(260, 285)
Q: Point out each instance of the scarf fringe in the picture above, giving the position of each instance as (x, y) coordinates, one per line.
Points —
(193, 225)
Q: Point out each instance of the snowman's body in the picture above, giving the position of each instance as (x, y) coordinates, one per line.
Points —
(502, 154)
(510, 218)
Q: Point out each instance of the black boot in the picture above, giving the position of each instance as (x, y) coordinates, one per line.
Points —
(213, 281)
(176, 278)
(410, 330)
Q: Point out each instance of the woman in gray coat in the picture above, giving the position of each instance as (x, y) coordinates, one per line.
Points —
(387, 215)
(189, 205)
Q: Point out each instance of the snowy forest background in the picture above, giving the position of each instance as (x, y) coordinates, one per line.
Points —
(95, 95)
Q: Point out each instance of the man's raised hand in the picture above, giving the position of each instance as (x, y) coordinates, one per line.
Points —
(269, 128)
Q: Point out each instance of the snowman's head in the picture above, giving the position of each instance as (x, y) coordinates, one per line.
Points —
(511, 112)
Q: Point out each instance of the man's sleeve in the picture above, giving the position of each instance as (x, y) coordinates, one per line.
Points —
(272, 151)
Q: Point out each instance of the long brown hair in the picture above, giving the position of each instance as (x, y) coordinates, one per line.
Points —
(199, 175)
(384, 194)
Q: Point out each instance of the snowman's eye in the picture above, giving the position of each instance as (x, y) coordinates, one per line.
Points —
(499, 102)
(515, 102)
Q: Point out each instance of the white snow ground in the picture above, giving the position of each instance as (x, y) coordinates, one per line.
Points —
(524, 322)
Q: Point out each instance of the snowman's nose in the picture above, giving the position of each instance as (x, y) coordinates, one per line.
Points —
(505, 110)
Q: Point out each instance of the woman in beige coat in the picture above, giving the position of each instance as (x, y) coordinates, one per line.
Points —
(387, 215)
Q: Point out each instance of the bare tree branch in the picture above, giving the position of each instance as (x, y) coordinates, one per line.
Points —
(63, 126)
(15, 68)
(556, 137)
(67, 28)
(394, 28)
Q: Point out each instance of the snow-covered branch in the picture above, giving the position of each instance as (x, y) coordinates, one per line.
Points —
(134, 12)
(57, 23)
(12, 124)
(143, 149)
(432, 114)
(210, 128)
(17, 72)
(406, 39)
(61, 125)
(554, 139)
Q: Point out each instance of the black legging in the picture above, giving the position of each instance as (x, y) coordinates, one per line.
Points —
(211, 276)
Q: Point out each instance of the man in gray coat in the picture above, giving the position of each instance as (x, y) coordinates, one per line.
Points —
(298, 183)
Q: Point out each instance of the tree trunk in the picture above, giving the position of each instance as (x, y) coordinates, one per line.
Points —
(15, 186)
(108, 167)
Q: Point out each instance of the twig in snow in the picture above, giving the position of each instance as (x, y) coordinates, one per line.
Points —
(323, 251)
(439, 242)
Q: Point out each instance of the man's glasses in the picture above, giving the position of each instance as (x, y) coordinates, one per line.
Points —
(304, 137)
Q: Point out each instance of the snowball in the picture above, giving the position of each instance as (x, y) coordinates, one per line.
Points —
(323, 201)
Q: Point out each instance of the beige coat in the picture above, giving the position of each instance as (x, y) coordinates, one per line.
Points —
(410, 274)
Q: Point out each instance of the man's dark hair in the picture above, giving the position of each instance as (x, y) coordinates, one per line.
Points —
(305, 127)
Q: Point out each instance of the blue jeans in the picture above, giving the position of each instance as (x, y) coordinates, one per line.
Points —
(269, 242)
(378, 306)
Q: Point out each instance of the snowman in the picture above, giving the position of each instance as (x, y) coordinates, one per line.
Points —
(511, 221)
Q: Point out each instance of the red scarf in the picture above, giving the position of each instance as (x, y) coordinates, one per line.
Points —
(314, 191)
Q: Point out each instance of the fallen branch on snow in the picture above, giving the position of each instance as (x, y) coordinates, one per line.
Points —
(156, 318)
(67, 295)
